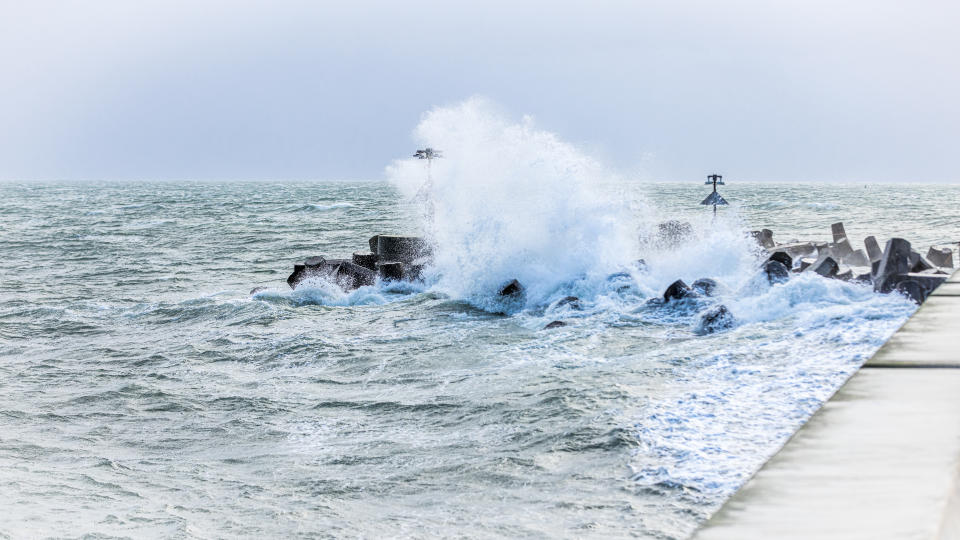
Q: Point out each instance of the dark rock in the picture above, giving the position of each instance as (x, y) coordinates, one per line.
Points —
(705, 286)
(874, 253)
(678, 290)
(512, 288)
(838, 232)
(776, 272)
(374, 240)
(824, 265)
(390, 270)
(716, 319)
(571, 301)
(782, 258)
(912, 290)
(941, 257)
(405, 249)
(366, 260)
(895, 261)
(555, 324)
(255, 290)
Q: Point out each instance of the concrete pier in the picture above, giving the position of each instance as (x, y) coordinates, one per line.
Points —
(880, 459)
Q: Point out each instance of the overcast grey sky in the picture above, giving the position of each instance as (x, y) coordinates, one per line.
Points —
(756, 89)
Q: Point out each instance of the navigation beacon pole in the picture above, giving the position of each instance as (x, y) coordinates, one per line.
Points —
(426, 190)
(714, 198)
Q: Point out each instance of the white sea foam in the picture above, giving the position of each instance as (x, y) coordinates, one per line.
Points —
(510, 200)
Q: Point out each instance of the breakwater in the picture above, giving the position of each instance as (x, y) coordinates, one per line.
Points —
(879, 459)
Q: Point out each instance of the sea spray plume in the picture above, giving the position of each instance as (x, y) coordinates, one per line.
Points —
(512, 201)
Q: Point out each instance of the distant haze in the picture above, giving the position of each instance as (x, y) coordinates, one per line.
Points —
(861, 90)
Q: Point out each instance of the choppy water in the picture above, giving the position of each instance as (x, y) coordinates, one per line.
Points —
(145, 393)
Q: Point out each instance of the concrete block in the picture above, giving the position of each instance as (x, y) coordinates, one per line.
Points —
(350, 276)
(825, 265)
(764, 237)
(919, 263)
(838, 232)
(390, 270)
(396, 248)
(895, 261)
(782, 257)
(796, 249)
(366, 260)
(874, 253)
(857, 258)
(942, 257)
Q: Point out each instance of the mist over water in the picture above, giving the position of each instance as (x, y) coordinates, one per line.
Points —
(145, 392)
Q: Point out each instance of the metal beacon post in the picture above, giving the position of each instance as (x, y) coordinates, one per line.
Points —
(714, 198)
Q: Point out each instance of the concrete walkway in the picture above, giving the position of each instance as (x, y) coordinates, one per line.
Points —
(880, 459)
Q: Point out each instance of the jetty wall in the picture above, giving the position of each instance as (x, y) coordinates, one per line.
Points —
(880, 459)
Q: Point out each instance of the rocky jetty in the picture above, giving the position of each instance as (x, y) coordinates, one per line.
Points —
(391, 258)
(898, 267)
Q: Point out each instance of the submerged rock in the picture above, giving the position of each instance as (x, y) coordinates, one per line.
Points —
(571, 301)
(705, 286)
(715, 319)
(554, 324)
(512, 288)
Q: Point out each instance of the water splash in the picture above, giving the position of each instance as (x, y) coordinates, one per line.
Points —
(512, 201)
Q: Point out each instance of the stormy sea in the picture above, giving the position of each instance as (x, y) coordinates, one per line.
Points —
(145, 392)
